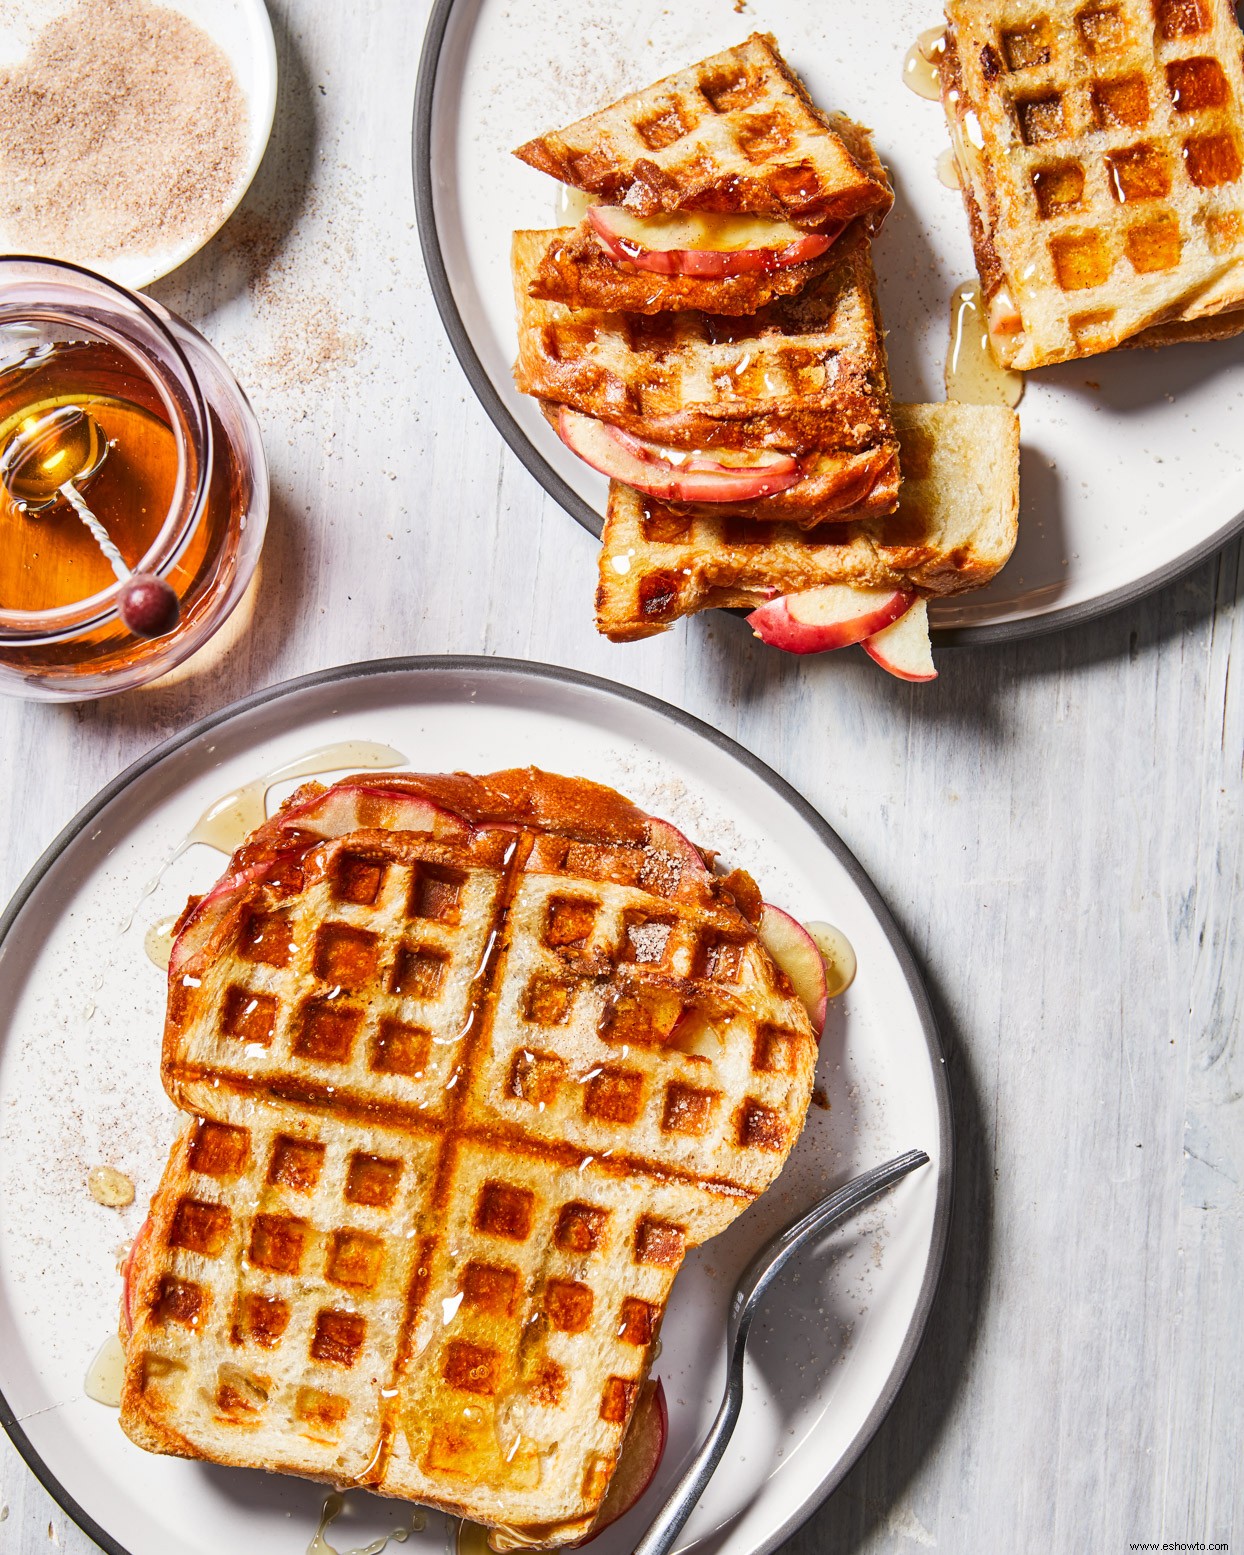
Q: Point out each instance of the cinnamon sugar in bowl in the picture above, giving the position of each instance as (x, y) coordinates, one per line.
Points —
(129, 129)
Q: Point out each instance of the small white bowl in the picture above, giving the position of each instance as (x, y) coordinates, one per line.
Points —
(243, 30)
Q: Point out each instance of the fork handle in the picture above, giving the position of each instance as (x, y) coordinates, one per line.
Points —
(668, 1523)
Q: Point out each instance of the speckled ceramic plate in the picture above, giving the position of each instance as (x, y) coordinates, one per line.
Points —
(80, 1021)
(242, 29)
(1131, 470)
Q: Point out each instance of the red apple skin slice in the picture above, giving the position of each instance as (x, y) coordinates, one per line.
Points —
(795, 951)
(831, 617)
(210, 910)
(903, 648)
(596, 445)
(662, 835)
(769, 461)
(707, 263)
(339, 810)
(127, 1283)
(642, 1451)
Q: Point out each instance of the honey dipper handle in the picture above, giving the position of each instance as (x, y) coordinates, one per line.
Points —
(99, 534)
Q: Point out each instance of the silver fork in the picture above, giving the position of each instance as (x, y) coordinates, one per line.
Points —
(748, 1294)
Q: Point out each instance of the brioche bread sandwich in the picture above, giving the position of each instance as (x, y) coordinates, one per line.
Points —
(738, 403)
(468, 1065)
(1100, 151)
(784, 415)
(718, 188)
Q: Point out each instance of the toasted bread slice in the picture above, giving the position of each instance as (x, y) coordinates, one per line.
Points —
(469, 1064)
(1100, 151)
(954, 529)
(735, 132)
(806, 374)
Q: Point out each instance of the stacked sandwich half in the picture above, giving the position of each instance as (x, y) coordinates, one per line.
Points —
(709, 338)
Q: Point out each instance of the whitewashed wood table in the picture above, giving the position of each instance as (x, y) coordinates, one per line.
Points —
(1056, 825)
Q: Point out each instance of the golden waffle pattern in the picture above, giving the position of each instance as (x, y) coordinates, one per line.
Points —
(271, 1311)
(954, 529)
(734, 132)
(1101, 154)
(804, 373)
(460, 1111)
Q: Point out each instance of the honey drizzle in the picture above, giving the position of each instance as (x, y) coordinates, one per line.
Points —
(105, 1376)
(158, 941)
(473, 1539)
(948, 169)
(570, 205)
(922, 64)
(973, 377)
(334, 1504)
(229, 820)
(226, 824)
(838, 954)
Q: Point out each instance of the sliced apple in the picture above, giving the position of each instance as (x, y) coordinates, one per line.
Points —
(348, 807)
(674, 474)
(796, 952)
(903, 648)
(211, 910)
(713, 461)
(670, 840)
(642, 1451)
(127, 1273)
(709, 244)
(829, 617)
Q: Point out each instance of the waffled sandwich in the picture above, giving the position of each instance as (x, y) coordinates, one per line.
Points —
(954, 530)
(740, 402)
(720, 187)
(468, 1065)
(791, 404)
(1100, 150)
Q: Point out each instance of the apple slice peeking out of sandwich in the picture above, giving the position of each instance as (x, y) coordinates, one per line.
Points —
(127, 1276)
(676, 474)
(642, 1451)
(709, 244)
(796, 952)
(903, 648)
(830, 617)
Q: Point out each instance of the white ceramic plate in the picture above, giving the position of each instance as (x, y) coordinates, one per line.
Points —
(80, 1021)
(242, 29)
(1131, 469)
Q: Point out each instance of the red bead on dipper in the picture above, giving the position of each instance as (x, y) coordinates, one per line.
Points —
(51, 457)
(148, 605)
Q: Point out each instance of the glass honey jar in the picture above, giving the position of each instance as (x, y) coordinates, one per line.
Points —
(133, 485)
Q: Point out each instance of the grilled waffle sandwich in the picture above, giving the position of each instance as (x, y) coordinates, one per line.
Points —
(805, 375)
(468, 1064)
(1100, 150)
(954, 529)
(735, 134)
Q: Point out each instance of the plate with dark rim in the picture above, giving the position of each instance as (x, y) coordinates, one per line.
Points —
(1130, 470)
(80, 1024)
